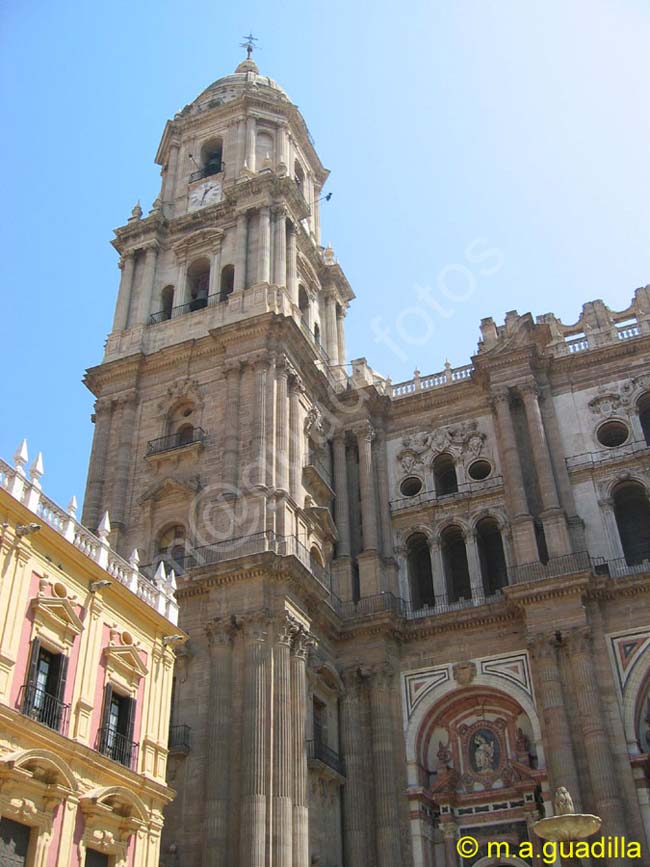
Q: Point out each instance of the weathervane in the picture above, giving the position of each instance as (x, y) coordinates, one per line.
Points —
(249, 44)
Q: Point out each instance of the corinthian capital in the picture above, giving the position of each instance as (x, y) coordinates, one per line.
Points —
(365, 432)
(220, 631)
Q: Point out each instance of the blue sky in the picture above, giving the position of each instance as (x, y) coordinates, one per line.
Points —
(486, 155)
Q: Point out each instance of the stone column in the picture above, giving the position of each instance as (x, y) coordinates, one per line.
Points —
(340, 334)
(127, 266)
(282, 427)
(264, 246)
(259, 431)
(299, 649)
(438, 570)
(615, 548)
(387, 826)
(92, 510)
(384, 495)
(292, 264)
(596, 740)
(252, 842)
(558, 748)
(450, 836)
(241, 252)
(250, 143)
(215, 270)
(270, 424)
(168, 192)
(282, 800)
(295, 438)
(182, 290)
(365, 436)
(280, 245)
(523, 530)
(217, 846)
(341, 506)
(146, 288)
(120, 466)
(474, 565)
(553, 519)
(231, 429)
(331, 333)
(283, 145)
(356, 840)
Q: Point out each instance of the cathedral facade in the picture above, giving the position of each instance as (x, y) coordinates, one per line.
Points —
(414, 609)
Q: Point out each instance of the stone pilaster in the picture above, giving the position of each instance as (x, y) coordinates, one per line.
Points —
(558, 748)
(365, 436)
(384, 496)
(215, 270)
(387, 826)
(241, 252)
(252, 842)
(127, 265)
(231, 435)
(270, 423)
(555, 526)
(250, 157)
(331, 334)
(280, 245)
(282, 426)
(295, 438)
(602, 771)
(341, 506)
(217, 846)
(264, 246)
(282, 799)
(292, 264)
(450, 836)
(120, 466)
(146, 287)
(356, 839)
(523, 531)
(93, 510)
(299, 650)
(340, 331)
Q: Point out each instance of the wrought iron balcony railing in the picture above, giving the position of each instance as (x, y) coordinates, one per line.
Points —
(207, 171)
(43, 707)
(316, 750)
(176, 441)
(118, 747)
(189, 307)
(179, 739)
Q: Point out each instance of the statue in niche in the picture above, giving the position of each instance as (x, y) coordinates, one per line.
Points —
(484, 752)
(443, 754)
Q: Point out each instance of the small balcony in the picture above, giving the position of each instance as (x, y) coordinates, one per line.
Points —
(43, 707)
(212, 168)
(319, 752)
(179, 740)
(117, 747)
(181, 439)
(190, 307)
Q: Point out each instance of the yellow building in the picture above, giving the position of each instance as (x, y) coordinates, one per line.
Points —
(86, 663)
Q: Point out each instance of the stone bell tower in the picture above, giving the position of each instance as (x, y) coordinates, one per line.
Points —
(211, 456)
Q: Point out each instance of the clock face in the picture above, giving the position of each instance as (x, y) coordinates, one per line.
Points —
(207, 193)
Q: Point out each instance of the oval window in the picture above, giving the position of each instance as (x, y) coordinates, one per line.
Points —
(612, 434)
(411, 486)
(479, 470)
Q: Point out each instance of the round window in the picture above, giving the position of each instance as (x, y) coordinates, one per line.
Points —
(612, 433)
(411, 486)
(479, 470)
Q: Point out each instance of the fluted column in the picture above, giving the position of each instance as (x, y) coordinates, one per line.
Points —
(331, 333)
(282, 427)
(279, 246)
(92, 509)
(231, 426)
(365, 436)
(600, 762)
(558, 747)
(387, 831)
(295, 438)
(554, 521)
(241, 252)
(356, 841)
(252, 843)
(340, 334)
(341, 506)
(292, 264)
(217, 847)
(120, 466)
(146, 287)
(127, 265)
(282, 800)
(299, 649)
(523, 528)
(264, 246)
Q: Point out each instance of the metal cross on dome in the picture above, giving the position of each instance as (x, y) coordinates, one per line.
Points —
(249, 44)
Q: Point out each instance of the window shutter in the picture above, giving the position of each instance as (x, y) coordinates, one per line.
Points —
(30, 680)
(129, 728)
(106, 715)
(60, 688)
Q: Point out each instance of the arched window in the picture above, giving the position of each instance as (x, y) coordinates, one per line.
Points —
(185, 434)
(303, 304)
(419, 571)
(263, 151)
(171, 548)
(198, 277)
(299, 176)
(227, 281)
(454, 557)
(644, 415)
(632, 511)
(211, 157)
(180, 418)
(444, 475)
(491, 556)
(167, 302)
